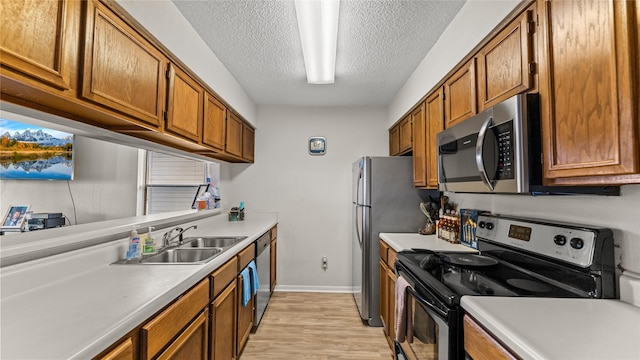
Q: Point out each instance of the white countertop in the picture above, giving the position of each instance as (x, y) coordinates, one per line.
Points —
(551, 328)
(74, 305)
(403, 241)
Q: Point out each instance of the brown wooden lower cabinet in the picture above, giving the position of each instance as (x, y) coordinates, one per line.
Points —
(192, 343)
(481, 345)
(157, 334)
(245, 319)
(223, 324)
(388, 291)
(124, 351)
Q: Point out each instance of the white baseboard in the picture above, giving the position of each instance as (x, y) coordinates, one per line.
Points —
(311, 288)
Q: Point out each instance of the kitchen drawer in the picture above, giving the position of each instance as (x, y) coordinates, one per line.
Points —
(223, 276)
(158, 332)
(391, 258)
(245, 256)
(384, 250)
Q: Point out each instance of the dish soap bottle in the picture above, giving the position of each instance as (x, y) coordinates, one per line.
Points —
(149, 243)
(134, 246)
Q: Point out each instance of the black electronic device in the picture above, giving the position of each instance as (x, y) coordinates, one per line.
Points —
(40, 222)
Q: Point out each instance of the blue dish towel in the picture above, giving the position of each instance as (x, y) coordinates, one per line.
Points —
(254, 277)
(246, 286)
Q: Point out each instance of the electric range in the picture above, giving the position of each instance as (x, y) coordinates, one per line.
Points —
(517, 257)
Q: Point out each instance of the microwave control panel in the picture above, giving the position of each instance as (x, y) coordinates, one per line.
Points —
(504, 139)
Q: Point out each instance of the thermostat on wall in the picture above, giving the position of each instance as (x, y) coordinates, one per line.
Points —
(317, 145)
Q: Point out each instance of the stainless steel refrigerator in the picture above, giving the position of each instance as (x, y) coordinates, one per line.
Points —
(384, 200)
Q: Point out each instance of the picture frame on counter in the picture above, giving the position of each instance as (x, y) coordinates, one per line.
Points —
(14, 218)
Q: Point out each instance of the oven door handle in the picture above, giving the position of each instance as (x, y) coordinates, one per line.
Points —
(479, 154)
(426, 302)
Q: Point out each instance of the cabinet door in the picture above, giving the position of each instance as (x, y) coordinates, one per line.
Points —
(234, 135)
(245, 319)
(121, 69)
(124, 351)
(384, 296)
(184, 105)
(406, 137)
(434, 124)
(38, 39)
(391, 295)
(215, 122)
(394, 141)
(588, 107)
(248, 139)
(419, 149)
(223, 324)
(159, 331)
(481, 345)
(504, 64)
(460, 94)
(274, 262)
(192, 343)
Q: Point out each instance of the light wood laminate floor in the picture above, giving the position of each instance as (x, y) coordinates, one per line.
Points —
(315, 326)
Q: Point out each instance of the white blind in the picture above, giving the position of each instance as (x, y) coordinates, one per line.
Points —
(165, 169)
(172, 182)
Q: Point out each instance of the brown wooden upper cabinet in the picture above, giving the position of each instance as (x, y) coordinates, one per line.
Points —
(215, 122)
(248, 142)
(419, 146)
(406, 136)
(38, 40)
(394, 141)
(505, 64)
(434, 111)
(233, 144)
(122, 70)
(589, 91)
(184, 105)
(460, 94)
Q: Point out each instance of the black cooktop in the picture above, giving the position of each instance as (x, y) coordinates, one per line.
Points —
(499, 273)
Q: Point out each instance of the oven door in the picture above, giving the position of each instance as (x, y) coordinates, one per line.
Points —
(431, 332)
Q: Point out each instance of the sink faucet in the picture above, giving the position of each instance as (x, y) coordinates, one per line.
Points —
(167, 238)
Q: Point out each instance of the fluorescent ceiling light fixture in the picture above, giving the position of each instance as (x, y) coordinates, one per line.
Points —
(318, 26)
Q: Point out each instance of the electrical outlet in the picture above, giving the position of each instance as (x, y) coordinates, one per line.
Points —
(324, 263)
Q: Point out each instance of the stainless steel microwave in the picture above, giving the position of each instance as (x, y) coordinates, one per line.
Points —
(495, 151)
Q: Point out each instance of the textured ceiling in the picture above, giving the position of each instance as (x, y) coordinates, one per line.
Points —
(380, 43)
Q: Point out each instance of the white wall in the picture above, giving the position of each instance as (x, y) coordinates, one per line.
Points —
(104, 185)
(168, 25)
(474, 21)
(310, 193)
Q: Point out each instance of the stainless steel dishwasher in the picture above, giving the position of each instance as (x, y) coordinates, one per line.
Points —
(263, 265)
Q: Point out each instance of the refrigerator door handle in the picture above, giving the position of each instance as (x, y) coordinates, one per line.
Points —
(357, 225)
(358, 199)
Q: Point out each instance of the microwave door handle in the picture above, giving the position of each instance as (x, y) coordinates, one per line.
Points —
(479, 155)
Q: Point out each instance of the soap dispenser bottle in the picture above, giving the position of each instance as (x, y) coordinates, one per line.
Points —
(134, 245)
(149, 243)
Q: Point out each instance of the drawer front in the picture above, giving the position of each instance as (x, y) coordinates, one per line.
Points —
(157, 333)
(384, 248)
(223, 276)
(245, 256)
(391, 258)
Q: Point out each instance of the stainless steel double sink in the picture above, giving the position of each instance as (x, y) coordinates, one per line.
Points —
(193, 250)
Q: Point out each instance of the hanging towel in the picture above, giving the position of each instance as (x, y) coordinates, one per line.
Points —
(254, 277)
(400, 310)
(246, 286)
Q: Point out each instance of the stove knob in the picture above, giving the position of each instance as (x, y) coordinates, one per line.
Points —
(489, 226)
(481, 224)
(577, 243)
(560, 240)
